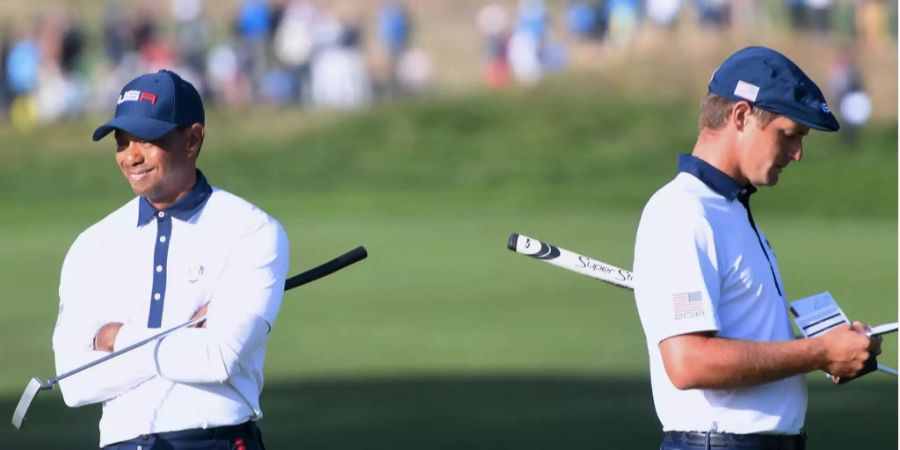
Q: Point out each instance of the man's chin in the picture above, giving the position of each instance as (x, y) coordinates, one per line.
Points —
(142, 191)
(771, 179)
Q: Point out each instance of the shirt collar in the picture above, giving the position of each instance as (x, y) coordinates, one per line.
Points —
(713, 177)
(184, 208)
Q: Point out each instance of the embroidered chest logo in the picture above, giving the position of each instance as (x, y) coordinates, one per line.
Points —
(195, 272)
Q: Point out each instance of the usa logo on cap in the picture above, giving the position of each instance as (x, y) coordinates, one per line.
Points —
(137, 96)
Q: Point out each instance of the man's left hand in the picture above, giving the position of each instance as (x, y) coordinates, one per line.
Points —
(200, 312)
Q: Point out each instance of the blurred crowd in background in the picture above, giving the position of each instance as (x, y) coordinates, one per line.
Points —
(315, 54)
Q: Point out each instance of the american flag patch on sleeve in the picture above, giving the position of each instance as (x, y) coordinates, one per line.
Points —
(688, 305)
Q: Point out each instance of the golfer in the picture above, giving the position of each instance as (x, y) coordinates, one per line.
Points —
(180, 249)
(725, 368)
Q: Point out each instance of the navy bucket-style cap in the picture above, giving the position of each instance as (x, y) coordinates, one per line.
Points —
(769, 80)
(154, 104)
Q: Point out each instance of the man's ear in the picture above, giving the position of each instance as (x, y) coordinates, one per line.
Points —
(740, 114)
(195, 136)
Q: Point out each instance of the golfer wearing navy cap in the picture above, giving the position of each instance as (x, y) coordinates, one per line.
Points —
(725, 368)
(181, 249)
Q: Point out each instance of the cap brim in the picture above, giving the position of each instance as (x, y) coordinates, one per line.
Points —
(831, 125)
(141, 127)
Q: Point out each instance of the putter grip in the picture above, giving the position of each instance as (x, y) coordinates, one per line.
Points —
(355, 255)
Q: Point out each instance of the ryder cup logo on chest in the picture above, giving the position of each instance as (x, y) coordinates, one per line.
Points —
(195, 272)
(137, 96)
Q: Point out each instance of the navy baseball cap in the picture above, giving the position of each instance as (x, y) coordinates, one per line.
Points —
(154, 104)
(769, 80)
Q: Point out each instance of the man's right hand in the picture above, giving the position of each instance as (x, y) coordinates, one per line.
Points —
(105, 339)
(847, 347)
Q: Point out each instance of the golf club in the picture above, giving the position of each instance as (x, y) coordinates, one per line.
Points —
(616, 276)
(36, 385)
(566, 259)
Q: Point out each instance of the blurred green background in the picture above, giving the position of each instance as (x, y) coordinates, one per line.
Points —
(443, 338)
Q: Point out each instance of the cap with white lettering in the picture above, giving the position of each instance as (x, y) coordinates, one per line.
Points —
(154, 104)
(769, 80)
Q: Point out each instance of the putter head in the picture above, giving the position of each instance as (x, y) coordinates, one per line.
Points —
(31, 391)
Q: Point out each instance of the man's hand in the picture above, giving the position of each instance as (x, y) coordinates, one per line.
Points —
(105, 339)
(199, 313)
(847, 347)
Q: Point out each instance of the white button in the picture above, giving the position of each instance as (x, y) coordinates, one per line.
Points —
(159, 268)
(161, 214)
(162, 239)
(156, 296)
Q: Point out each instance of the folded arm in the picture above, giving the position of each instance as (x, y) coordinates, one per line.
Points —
(240, 314)
(81, 315)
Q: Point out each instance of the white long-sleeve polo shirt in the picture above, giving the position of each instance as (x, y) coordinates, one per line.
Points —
(151, 270)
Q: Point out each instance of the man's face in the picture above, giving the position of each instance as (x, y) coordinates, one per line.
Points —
(161, 171)
(767, 150)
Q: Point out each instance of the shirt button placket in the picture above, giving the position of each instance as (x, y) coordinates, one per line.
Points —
(160, 257)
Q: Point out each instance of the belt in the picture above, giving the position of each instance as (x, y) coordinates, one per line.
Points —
(204, 433)
(737, 441)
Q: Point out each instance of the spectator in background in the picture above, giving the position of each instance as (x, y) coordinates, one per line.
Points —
(582, 19)
(394, 30)
(797, 14)
(819, 12)
(228, 84)
(72, 46)
(155, 52)
(254, 23)
(624, 21)
(715, 14)
(116, 33)
(6, 39)
(527, 42)
(340, 79)
(22, 66)
(845, 82)
(493, 22)
(294, 45)
(663, 13)
(61, 91)
(871, 23)
(191, 37)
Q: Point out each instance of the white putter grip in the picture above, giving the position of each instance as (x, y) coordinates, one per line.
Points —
(561, 257)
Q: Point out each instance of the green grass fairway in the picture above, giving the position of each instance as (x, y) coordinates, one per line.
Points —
(442, 338)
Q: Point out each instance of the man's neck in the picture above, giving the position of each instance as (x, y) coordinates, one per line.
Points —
(169, 200)
(718, 150)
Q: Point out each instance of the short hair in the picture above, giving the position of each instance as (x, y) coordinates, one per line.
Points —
(714, 112)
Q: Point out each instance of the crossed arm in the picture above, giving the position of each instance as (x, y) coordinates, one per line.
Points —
(241, 312)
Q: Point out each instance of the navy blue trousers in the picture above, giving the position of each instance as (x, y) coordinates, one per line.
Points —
(237, 437)
(724, 441)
